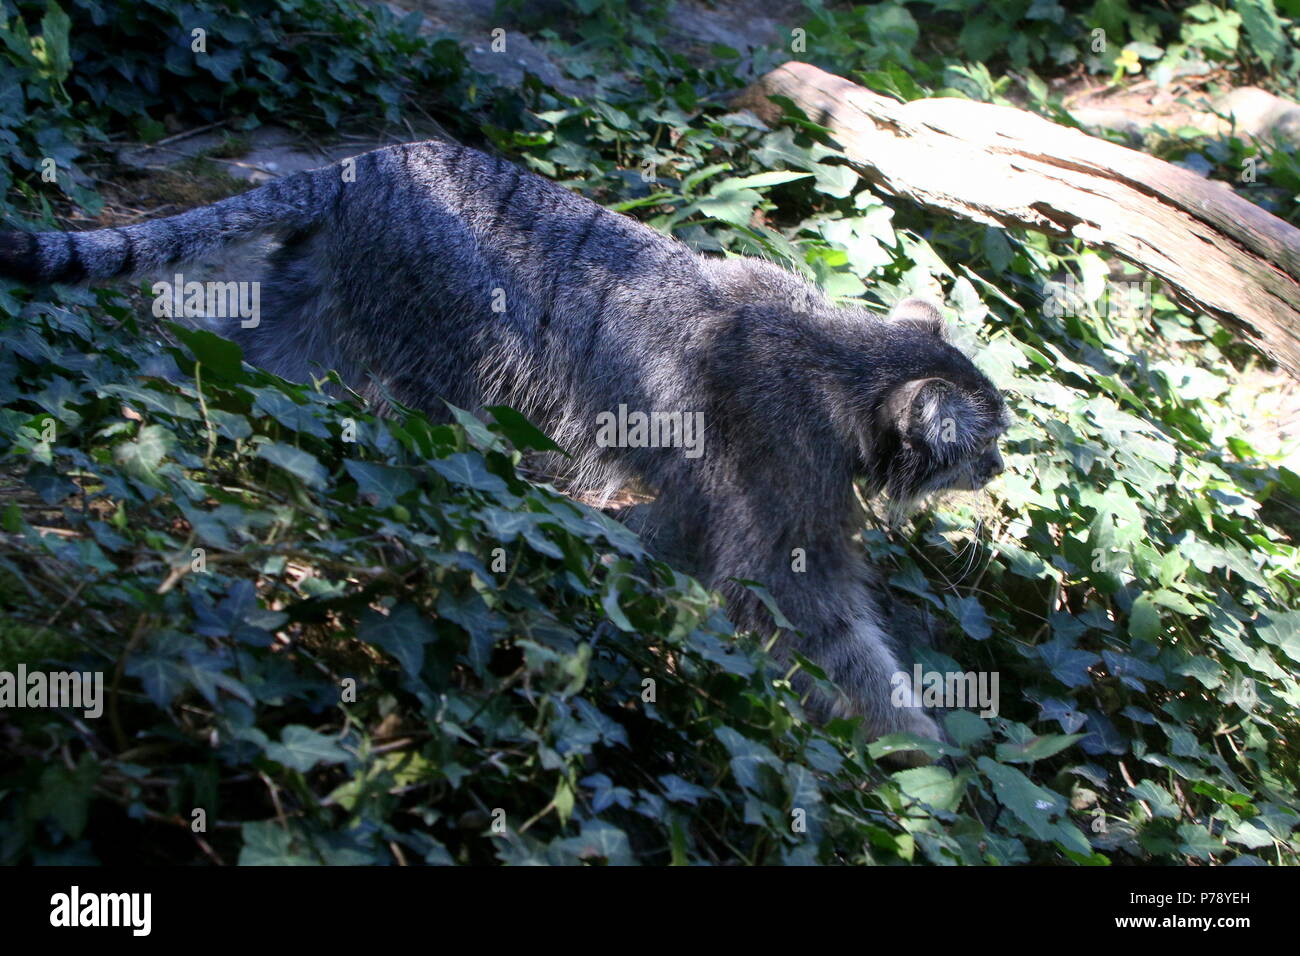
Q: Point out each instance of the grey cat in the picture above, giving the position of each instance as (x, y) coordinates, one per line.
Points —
(434, 272)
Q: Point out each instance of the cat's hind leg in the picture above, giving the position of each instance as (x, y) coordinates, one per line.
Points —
(298, 329)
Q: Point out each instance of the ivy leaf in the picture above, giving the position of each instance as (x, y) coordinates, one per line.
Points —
(1063, 713)
(1130, 669)
(213, 352)
(403, 633)
(55, 25)
(898, 742)
(160, 668)
(1144, 620)
(911, 579)
(468, 468)
(296, 417)
(718, 650)
(747, 756)
(1204, 670)
(66, 794)
(471, 613)
(301, 464)
(1160, 800)
(141, 458)
(769, 602)
(599, 842)
(1036, 807)
(1035, 748)
(267, 843)
(380, 485)
(933, 786)
(1282, 630)
(1102, 736)
(970, 614)
(678, 790)
(609, 601)
(1249, 835)
(965, 728)
(303, 748)
(1264, 28)
(1198, 842)
(521, 432)
(1067, 663)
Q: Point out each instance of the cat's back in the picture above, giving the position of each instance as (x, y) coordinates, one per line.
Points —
(442, 207)
(495, 198)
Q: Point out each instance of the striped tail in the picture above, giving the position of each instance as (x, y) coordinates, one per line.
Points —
(294, 202)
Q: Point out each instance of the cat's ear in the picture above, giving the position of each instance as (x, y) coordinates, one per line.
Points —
(921, 313)
(931, 412)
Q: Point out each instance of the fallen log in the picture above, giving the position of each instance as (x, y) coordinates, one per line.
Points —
(1215, 251)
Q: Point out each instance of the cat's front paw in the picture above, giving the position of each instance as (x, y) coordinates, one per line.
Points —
(922, 725)
(881, 719)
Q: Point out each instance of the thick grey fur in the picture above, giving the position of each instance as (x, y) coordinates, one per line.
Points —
(390, 279)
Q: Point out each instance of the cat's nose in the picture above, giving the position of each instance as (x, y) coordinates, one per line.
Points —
(995, 465)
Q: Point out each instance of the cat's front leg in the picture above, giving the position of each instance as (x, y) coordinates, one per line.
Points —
(875, 687)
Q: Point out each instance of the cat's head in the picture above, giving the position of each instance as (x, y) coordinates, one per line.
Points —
(937, 429)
